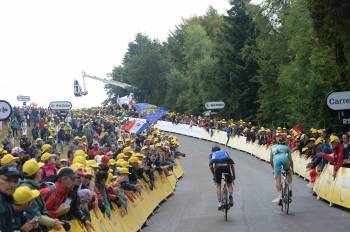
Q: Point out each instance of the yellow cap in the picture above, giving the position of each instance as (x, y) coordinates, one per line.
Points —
(121, 156)
(111, 177)
(77, 138)
(24, 194)
(333, 138)
(31, 167)
(139, 155)
(112, 162)
(124, 164)
(38, 140)
(304, 149)
(119, 162)
(319, 141)
(50, 137)
(8, 158)
(79, 153)
(134, 160)
(92, 163)
(124, 171)
(89, 171)
(46, 156)
(127, 150)
(45, 147)
(76, 166)
(158, 145)
(80, 160)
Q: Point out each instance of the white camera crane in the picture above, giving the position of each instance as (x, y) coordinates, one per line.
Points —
(78, 91)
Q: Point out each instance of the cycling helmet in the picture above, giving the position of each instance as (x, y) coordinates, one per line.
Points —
(215, 148)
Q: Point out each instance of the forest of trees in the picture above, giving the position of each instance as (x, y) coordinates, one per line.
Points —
(274, 62)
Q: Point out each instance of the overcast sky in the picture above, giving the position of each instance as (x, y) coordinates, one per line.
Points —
(45, 44)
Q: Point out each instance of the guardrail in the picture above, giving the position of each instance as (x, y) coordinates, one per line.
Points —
(334, 190)
(139, 208)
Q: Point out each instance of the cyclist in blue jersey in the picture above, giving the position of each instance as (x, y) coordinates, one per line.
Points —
(220, 164)
(280, 155)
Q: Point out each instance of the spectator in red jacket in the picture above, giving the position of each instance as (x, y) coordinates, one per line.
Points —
(56, 196)
(49, 169)
(338, 154)
(94, 151)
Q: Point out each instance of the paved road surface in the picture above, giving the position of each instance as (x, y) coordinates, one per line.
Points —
(193, 206)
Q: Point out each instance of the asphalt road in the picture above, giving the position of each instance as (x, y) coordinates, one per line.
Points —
(193, 207)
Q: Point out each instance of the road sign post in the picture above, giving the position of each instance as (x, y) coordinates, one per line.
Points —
(339, 101)
(23, 98)
(60, 105)
(214, 105)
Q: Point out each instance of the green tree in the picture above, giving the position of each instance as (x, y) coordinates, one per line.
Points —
(305, 80)
(145, 69)
(331, 21)
(236, 53)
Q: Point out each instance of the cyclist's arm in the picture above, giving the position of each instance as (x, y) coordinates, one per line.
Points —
(271, 161)
(211, 167)
(290, 160)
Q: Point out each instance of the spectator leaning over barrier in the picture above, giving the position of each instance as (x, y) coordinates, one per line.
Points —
(338, 154)
(75, 210)
(31, 172)
(56, 196)
(9, 177)
(102, 193)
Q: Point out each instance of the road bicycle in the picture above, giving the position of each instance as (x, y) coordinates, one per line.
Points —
(286, 197)
(225, 201)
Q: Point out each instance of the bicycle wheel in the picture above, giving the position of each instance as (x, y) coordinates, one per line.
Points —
(282, 194)
(286, 198)
(225, 202)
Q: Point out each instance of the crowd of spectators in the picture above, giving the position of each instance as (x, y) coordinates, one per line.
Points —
(73, 163)
(316, 145)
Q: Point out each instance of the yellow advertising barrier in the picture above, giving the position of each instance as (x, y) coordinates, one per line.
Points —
(341, 191)
(178, 170)
(137, 211)
(336, 191)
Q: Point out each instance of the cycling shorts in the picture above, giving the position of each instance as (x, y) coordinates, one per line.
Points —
(223, 170)
(280, 160)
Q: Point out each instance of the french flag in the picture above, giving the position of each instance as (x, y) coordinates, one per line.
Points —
(136, 126)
